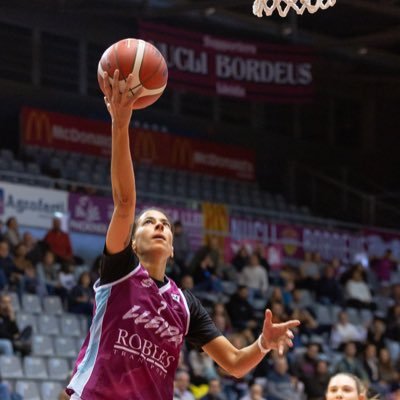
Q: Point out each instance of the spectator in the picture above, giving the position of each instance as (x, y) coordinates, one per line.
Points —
(47, 271)
(241, 258)
(241, 311)
(315, 385)
(59, 242)
(10, 336)
(1, 230)
(305, 365)
(6, 264)
(205, 277)
(256, 393)
(393, 331)
(203, 368)
(377, 332)
(309, 273)
(12, 234)
(6, 392)
(344, 331)
(255, 277)
(33, 248)
(259, 250)
(214, 391)
(221, 318)
(211, 249)
(66, 276)
(226, 271)
(187, 282)
(387, 370)
(350, 364)
(181, 390)
(328, 288)
(280, 385)
(370, 364)
(357, 291)
(182, 250)
(384, 267)
(81, 296)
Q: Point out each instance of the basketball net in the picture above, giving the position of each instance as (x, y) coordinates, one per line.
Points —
(283, 6)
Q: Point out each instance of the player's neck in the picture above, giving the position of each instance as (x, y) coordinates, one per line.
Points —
(154, 266)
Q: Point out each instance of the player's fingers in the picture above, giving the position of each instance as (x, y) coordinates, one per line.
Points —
(290, 324)
(107, 85)
(115, 87)
(289, 334)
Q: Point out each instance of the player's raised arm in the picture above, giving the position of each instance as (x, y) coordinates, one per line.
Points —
(119, 105)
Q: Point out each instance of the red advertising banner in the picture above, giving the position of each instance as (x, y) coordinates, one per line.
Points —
(231, 67)
(75, 134)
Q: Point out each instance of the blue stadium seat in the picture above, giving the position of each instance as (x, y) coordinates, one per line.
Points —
(42, 345)
(25, 319)
(27, 389)
(31, 303)
(52, 305)
(48, 324)
(58, 368)
(10, 367)
(50, 390)
(35, 367)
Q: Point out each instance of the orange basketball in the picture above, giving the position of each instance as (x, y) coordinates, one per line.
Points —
(141, 59)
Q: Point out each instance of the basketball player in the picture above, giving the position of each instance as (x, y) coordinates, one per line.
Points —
(141, 318)
(346, 386)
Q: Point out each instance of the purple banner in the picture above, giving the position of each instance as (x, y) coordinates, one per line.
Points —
(92, 214)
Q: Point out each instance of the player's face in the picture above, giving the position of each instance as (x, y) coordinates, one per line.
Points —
(343, 387)
(153, 234)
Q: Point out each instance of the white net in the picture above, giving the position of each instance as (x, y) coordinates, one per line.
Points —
(283, 6)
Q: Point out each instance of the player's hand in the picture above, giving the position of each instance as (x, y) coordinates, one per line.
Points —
(119, 104)
(277, 336)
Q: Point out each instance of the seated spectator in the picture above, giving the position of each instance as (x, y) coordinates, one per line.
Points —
(66, 276)
(6, 392)
(241, 311)
(59, 242)
(221, 318)
(377, 332)
(11, 339)
(385, 266)
(282, 386)
(241, 258)
(211, 249)
(214, 391)
(33, 247)
(344, 331)
(305, 365)
(315, 385)
(187, 282)
(6, 264)
(255, 393)
(182, 248)
(357, 291)
(259, 251)
(31, 283)
(309, 273)
(47, 271)
(350, 364)
(226, 271)
(81, 296)
(370, 364)
(328, 289)
(181, 386)
(203, 368)
(387, 371)
(255, 277)
(12, 234)
(204, 276)
(309, 324)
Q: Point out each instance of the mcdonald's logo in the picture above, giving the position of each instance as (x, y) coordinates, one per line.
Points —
(182, 153)
(38, 127)
(144, 147)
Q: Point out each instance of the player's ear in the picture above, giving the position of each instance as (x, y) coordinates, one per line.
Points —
(134, 245)
(172, 252)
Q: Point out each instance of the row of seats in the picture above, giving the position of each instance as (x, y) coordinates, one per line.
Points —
(31, 390)
(151, 179)
(37, 368)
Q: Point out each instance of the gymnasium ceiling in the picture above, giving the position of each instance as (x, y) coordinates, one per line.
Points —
(366, 30)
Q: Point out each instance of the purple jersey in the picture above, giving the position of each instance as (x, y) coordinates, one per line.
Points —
(132, 348)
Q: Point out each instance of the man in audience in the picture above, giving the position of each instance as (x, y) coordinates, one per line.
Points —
(6, 264)
(255, 393)
(350, 363)
(8, 326)
(182, 382)
(344, 331)
(214, 391)
(182, 249)
(59, 242)
(280, 385)
(12, 234)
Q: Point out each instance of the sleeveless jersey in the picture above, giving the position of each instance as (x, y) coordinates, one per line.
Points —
(132, 349)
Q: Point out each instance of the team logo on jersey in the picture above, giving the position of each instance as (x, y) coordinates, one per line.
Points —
(147, 282)
(176, 297)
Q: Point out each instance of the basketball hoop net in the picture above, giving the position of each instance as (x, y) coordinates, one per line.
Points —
(283, 6)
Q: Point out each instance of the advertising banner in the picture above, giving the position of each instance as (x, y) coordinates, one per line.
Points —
(69, 133)
(232, 67)
(64, 132)
(32, 206)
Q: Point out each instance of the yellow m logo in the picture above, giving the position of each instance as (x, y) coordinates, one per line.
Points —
(182, 154)
(38, 127)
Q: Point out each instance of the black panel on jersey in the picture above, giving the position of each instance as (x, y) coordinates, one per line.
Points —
(201, 329)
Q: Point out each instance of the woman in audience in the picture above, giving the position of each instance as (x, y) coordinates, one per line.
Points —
(81, 296)
(48, 271)
(357, 292)
(347, 387)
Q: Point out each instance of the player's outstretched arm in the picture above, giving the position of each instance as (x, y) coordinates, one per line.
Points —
(238, 362)
(119, 105)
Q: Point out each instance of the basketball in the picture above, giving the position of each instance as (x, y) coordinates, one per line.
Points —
(143, 60)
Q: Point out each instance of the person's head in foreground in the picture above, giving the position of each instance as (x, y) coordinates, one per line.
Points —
(345, 386)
